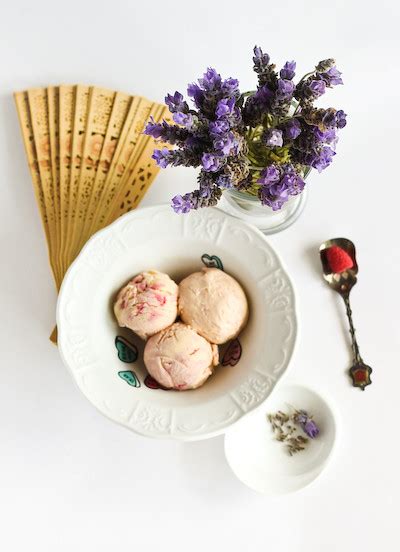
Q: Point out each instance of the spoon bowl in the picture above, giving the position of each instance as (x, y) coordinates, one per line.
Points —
(342, 282)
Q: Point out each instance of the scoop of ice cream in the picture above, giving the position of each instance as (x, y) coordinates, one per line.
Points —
(214, 304)
(179, 358)
(147, 304)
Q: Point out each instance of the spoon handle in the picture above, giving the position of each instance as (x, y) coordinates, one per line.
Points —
(354, 344)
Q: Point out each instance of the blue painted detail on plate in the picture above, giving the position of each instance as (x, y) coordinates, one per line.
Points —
(127, 351)
(130, 377)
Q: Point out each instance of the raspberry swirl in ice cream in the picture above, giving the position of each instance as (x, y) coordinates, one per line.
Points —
(147, 304)
(179, 358)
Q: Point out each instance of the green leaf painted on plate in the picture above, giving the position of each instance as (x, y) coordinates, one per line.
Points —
(127, 352)
(212, 261)
(130, 377)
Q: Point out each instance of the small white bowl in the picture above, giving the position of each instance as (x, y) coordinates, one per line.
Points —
(262, 463)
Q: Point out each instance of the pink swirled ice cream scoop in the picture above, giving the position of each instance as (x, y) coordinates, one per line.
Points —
(147, 304)
(179, 358)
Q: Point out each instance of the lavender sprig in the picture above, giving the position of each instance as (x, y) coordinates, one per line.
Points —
(173, 134)
(306, 423)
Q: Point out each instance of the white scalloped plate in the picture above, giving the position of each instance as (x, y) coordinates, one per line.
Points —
(155, 237)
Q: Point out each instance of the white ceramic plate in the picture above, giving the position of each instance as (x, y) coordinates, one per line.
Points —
(262, 463)
(155, 237)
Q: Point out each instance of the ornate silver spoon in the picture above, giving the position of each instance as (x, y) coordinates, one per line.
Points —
(338, 257)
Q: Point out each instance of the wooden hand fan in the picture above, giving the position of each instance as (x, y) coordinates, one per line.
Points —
(89, 161)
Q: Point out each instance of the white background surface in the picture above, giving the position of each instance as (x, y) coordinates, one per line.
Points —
(72, 480)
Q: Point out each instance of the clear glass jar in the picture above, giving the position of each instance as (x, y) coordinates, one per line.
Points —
(248, 208)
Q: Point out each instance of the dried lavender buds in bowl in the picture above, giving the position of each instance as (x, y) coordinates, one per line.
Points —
(266, 466)
(288, 429)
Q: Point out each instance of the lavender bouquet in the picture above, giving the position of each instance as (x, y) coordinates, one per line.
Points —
(261, 142)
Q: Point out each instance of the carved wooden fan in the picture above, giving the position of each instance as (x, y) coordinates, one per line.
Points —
(88, 158)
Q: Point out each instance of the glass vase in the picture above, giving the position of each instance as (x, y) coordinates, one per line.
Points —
(248, 208)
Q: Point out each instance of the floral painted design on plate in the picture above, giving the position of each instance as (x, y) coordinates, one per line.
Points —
(151, 383)
(232, 354)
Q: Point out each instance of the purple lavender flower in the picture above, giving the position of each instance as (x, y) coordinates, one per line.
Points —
(324, 159)
(332, 77)
(206, 184)
(223, 181)
(257, 105)
(288, 71)
(273, 137)
(181, 204)
(156, 130)
(269, 175)
(219, 127)
(285, 89)
(317, 88)
(312, 88)
(176, 103)
(264, 95)
(260, 59)
(320, 159)
(325, 118)
(184, 119)
(176, 157)
(292, 129)
(311, 429)
(324, 65)
(296, 182)
(230, 87)
(265, 71)
(165, 132)
(327, 136)
(274, 195)
(307, 424)
(292, 181)
(236, 117)
(211, 162)
(225, 107)
(198, 200)
(211, 80)
(161, 157)
(194, 91)
(341, 118)
(225, 144)
(329, 118)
